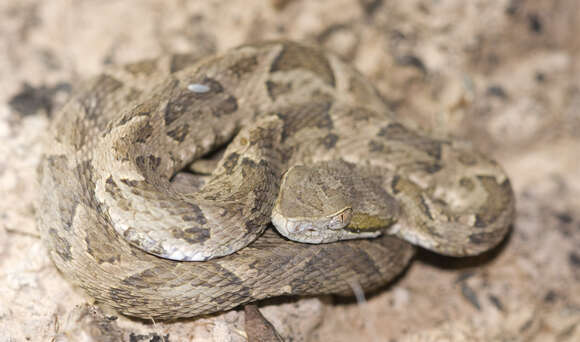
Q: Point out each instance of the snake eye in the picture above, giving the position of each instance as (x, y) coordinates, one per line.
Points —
(341, 220)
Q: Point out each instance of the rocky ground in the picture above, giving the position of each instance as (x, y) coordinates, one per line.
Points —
(503, 73)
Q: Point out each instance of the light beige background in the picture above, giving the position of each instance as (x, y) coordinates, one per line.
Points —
(502, 73)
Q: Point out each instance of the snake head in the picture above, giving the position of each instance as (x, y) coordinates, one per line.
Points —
(329, 201)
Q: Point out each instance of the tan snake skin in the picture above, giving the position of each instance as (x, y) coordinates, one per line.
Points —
(113, 211)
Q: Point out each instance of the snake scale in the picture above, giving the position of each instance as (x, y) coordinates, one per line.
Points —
(306, 143)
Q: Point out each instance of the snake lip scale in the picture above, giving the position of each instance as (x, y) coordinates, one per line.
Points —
(311, 146)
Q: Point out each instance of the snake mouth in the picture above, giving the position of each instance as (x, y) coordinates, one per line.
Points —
(297, 225)
(324, 229)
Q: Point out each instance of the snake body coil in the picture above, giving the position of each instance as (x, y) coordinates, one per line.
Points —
(308, 140)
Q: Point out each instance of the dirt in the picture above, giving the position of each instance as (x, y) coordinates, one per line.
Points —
(504, 74)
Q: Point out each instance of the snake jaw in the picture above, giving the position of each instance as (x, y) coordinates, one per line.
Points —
(325, 229)
(311, 225)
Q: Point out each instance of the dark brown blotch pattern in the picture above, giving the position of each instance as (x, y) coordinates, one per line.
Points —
(225, 107)
(467, 159)
(115, 192)
(425, 208)
(147, 163)
(404, 185)
(230, 162)
(244, 66)
(498, 200)
(130, 182)
(398, 132)
(111, 187)
(330, 140)
(467, 183)
(432, 168)
(295, 56)
(101, 252)
(312, 114)
(84, 172)
(144, 279)
(277, 89)
(249, 167)
(142, 135)
(226, 278)
(179, 133)
(375, 146)
(196, 214)
(193, 235)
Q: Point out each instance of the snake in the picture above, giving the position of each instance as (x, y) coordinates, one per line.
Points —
(185, 185)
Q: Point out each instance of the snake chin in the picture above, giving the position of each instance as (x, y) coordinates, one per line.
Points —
(322, 230)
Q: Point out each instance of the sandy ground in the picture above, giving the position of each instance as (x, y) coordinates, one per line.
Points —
(503, 73)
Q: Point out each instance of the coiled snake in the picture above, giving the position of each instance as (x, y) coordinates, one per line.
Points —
(309, 145)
